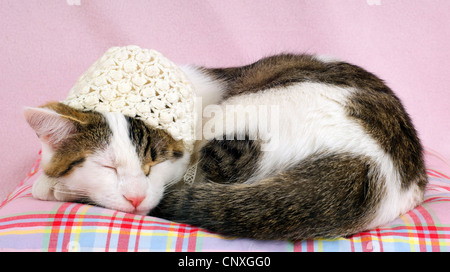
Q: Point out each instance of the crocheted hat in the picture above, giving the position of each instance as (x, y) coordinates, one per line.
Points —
(139, 83)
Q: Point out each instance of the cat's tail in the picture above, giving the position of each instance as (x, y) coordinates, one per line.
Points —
(287, 206)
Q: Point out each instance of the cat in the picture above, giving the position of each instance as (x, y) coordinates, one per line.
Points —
(347, 156)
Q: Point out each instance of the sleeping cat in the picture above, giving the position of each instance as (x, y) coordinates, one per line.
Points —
(347, 157)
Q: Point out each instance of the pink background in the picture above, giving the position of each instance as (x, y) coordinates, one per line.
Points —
(46, 45)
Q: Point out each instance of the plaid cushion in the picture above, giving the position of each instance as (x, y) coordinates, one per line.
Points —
(27, 224)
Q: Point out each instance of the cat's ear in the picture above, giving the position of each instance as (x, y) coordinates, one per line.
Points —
(50, 126)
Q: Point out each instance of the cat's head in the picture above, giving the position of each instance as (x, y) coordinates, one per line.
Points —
(109, 159)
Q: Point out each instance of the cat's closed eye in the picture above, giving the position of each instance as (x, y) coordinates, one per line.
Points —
(146, 168)
(112, 168)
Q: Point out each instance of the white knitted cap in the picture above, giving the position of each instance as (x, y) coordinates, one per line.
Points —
(139, 83)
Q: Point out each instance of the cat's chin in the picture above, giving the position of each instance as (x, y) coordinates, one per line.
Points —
(138, 211)
(142, 212)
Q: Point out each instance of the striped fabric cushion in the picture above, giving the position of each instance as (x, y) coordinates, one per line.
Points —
(27, 224)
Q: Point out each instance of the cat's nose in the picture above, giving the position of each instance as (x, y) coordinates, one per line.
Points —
(135, 200)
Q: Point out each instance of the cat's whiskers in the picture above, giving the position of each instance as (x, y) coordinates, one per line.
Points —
(170, 183)
(72, 193)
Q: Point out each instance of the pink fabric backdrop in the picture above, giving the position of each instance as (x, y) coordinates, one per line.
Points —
(46, 45)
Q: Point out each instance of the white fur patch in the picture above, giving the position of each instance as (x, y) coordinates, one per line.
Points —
(211, 91)
(43, 188)
(326, 58)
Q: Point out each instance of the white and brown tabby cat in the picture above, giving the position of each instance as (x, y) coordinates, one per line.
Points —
(347, 158)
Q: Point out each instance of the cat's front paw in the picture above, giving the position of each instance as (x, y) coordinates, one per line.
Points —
(43, 188)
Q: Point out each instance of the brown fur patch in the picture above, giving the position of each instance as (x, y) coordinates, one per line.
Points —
(383, 117)
(91, 133)
(288, 69)
(152, 145)
(229, 161)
